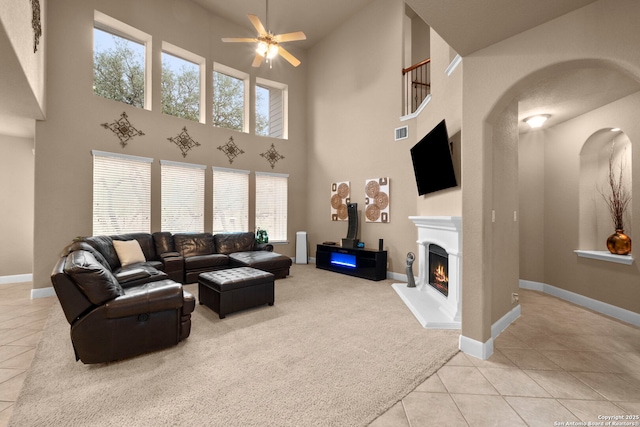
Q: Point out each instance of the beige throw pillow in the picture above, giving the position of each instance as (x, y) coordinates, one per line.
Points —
(129, 252)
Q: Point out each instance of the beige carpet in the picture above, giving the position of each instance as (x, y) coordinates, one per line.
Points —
(333, 351)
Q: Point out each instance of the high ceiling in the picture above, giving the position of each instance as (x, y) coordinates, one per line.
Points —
(467, 25)
(315, 17)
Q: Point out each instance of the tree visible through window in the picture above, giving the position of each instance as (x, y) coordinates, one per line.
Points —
(229, 98)
(180, 87)
(118, 68)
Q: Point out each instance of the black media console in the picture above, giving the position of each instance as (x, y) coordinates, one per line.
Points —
(366, 263)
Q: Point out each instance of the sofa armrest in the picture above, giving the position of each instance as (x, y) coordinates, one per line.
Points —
(263, 247)
(173, 265)
(147, 298)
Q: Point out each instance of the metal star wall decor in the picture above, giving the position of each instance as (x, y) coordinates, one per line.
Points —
(272, 156)
(36, 24)
(231, 150)
(123, 129)
(184, 141)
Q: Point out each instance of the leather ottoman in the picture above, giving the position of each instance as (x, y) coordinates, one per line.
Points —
(235, 289)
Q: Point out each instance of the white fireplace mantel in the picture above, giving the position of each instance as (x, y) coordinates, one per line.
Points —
(430, 307)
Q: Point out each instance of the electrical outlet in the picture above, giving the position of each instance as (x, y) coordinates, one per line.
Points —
(515, 297)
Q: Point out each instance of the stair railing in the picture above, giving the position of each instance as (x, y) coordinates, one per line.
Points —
(417, 85)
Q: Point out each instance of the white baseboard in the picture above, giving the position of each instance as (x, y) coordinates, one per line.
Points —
(481, 350)
(43, 292)
(590, 303)
(18, 278)
(504, 322)
(484, 350)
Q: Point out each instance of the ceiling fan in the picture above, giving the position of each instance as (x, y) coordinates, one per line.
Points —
(268, 43)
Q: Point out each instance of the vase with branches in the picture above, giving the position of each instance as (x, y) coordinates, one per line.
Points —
(617, 200)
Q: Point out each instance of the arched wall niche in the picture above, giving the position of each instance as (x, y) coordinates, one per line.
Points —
(601, 148)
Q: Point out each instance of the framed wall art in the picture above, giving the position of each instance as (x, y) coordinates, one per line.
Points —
(340, 196)
(376, 200)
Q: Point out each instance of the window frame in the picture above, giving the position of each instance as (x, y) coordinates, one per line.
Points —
(284, 88)
(145, 198)
(111, 25)
(240, 75)
(198, 60)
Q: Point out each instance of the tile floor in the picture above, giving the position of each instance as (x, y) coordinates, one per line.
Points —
(558, 363)
(21, 322)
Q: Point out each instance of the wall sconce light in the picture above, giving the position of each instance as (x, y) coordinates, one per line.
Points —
(537, 120)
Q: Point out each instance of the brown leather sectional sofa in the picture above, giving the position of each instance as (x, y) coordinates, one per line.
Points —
(118, 311)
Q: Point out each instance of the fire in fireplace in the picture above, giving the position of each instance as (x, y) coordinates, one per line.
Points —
(439, 269)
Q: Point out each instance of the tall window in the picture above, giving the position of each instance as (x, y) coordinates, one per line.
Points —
(230, 98)
(271, 204)
(271, 108)
(121, 193)
(182, 197)
(120, 57)
(230, 200)
(182, 83)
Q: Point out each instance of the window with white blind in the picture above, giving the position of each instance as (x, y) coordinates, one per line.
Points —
(271, 204)
(230, 200)
(121, 193)
(182, 197)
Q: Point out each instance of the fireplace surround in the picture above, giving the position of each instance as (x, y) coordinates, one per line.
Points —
(439, 241)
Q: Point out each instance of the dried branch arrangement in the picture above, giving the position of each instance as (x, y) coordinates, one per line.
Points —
(620, 197)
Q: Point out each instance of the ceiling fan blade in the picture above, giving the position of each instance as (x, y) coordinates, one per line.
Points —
(257, 24)
(288, 56)
(257, 60)
(290, 37)
(238, 40)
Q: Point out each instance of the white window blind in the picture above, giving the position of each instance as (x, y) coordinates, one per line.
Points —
(230, 200)
(271, 204)
(182, 197)
(121, 193)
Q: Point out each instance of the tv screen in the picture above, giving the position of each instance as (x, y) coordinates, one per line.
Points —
(432, 161)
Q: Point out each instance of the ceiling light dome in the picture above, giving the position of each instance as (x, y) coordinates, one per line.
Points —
(537, 120)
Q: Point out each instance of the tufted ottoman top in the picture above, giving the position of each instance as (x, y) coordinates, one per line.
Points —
(234, 278)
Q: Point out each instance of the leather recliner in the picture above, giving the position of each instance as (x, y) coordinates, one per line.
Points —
(110, 321)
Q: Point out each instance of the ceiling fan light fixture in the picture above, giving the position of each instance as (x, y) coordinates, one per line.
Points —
(262, 48)
(537, 120)
(272, 51)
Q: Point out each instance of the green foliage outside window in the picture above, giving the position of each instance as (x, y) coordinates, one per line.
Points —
(228, 102)
(118, 71)
(180, 88)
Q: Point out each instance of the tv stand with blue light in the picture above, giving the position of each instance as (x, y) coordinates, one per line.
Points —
(365, 263)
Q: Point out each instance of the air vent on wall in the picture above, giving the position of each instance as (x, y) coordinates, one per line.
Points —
(402, 133)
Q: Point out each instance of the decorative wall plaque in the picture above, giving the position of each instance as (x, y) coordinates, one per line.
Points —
(231, 150)
(376, 200)
(340, 196)
(123, 129)
(272, 156)
(36, 24)
(184, 141)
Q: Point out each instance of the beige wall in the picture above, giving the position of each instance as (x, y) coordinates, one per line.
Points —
(354, 106)
(599, 34)
(16, 215)
(16, 18)
(531, 208)
(63, 175)
(612, 283)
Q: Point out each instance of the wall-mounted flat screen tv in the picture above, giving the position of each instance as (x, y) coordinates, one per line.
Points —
(432, 161)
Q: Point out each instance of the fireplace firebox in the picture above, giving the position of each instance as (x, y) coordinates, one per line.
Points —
(439, 269)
